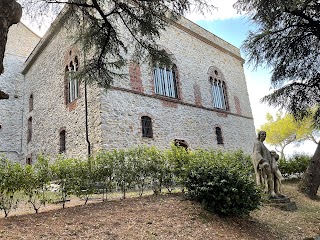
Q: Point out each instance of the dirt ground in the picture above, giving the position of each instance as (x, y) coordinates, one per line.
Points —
(168, 216)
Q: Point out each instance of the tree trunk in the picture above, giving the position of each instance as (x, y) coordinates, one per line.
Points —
(310, 181)
(10, 13)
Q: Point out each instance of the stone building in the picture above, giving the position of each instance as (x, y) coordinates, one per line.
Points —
(202, 101)
(21, 41)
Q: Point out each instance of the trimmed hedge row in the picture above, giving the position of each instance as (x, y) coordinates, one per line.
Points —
(295, 166)
(221, 181)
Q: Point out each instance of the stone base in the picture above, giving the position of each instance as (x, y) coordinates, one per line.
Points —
(283, 203)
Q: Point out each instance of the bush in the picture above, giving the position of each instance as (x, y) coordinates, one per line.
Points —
(223, 183)
(296, 165)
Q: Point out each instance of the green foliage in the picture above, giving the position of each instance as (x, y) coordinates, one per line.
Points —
(35, 181)
(137, 168)
(104, 23)
(286, 39)
(283, 130)
(296, 165)
(223, 183)
(64, 175)
(11, 175)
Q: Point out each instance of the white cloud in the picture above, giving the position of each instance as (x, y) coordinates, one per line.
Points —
(224, 10)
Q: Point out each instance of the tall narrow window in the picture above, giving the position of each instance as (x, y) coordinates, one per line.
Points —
(62, 141)
(72, 81)
(218, 94)
(146, 123)
(31, 102)
(219, 135)
(29, 133)
(165, 82)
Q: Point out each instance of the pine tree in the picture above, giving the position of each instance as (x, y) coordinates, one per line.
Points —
(110, 29)
(287, 39)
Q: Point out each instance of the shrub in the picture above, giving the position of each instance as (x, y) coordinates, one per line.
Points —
(296, 165)
(223, 183)
(35, 181)
(11, 175)
(63, 172)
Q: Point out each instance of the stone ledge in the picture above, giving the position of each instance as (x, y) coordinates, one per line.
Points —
(284, 204)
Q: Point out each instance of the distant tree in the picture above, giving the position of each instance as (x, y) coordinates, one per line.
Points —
(109, 29)
(287, 39)
(283, 130)
(10, 13)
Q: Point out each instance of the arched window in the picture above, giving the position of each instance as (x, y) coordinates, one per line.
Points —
(31, 102)
(72, 82)
(62, 141)
(165, 82)
(218, 89)
(29, 133)
(219, 135)
(146, 124)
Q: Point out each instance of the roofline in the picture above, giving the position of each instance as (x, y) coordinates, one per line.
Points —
(206, 40)
(29, 29)
(48, 36)
(61, 18)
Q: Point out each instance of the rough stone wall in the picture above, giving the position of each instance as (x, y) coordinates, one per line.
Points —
(45, 79)
(191, 117)
(21, 42)
(122, 111)
(115, 115)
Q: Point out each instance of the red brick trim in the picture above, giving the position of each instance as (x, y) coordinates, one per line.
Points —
(135, 77)
(237, 105)
(197, 94)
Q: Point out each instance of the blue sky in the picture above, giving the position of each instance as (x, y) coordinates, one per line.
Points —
(225, 23)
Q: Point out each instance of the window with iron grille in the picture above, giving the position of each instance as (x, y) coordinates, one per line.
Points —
(165, 82)
(219, 135)
(218, 89)
(62, 141)
(146, 123)
(72, 81)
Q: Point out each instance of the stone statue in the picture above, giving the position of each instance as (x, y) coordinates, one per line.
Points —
(10, 13)
(265, 164)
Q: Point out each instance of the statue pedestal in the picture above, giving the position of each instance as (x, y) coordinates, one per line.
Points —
(283, 203)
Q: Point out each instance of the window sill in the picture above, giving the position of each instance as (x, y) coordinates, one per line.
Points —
(168, 98)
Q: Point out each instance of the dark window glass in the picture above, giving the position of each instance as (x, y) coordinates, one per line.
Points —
(30, 103)
(62, 141)
(29, 160)
(146, 127)
(219, 135)
(29, 134)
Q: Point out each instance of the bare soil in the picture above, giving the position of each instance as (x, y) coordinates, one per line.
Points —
(168, 216)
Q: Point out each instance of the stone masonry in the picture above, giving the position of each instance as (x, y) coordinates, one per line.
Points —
(21, 41)
(114, 116)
